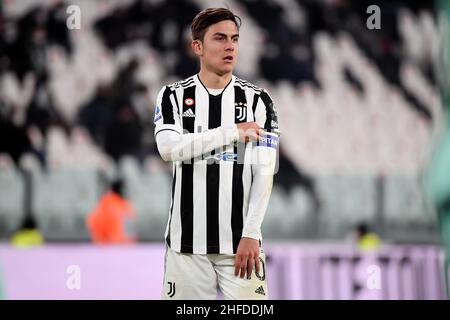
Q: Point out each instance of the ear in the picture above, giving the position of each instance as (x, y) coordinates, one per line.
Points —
(197, 47)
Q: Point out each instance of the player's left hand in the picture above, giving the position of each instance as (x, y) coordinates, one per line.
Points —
(247, 257)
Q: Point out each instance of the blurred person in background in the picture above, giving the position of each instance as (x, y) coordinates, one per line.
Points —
(366, 239)
(28, 235)
(113, 219)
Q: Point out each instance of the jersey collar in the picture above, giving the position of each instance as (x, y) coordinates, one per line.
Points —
(227, 87)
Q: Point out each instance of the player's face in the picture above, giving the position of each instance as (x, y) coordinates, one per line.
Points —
(219, 49)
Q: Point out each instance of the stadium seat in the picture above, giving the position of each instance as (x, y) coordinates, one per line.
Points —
(347, 201)
(278, 218)
(302, 215)
(61, 200)
(404, 203)
(149, 192)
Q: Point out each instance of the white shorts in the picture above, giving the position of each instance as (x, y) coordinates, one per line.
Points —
(198, 276)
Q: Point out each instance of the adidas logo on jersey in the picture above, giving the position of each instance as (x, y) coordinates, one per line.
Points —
(188, 113)
(260, 290)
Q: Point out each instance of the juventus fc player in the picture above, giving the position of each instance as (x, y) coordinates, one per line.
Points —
(221, 134)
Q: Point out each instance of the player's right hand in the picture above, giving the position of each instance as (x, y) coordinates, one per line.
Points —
(249, 131)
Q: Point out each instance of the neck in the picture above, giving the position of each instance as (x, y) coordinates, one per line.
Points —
(213, 80)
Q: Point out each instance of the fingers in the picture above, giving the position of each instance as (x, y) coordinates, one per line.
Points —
(237, 264)
(240, 265)
(257, 264)
(243, 267)
(254, 134)
(250, 131)
(260, 134)
(250, 265)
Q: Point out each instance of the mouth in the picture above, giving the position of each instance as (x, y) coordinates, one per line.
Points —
(228, 59)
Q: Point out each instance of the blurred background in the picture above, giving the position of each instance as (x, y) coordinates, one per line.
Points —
(360, 203)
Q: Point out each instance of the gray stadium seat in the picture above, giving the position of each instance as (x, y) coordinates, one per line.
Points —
(404, 202)
(149, 193)
(360, 204)
(346, 201)
(61, 200)
(301, 213)
(276, 221)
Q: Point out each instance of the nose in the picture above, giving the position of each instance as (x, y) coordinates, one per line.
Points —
(229, 45)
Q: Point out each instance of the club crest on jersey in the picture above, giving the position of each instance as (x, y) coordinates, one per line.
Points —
(189, 102)
(241, 108)
(158, 114)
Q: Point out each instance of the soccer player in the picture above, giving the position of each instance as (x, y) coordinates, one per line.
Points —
(221, 134)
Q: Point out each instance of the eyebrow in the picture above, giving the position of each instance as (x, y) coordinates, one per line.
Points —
(224, 35)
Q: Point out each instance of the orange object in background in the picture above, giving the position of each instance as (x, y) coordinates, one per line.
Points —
(113, 219)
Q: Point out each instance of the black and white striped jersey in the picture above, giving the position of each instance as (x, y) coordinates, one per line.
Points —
(221, 187)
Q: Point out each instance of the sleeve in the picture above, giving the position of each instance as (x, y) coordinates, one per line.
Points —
(266, 114)
(167, 116)
(264, 159)
(175, 145)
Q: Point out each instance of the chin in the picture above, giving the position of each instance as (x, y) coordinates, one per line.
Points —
(225, 70)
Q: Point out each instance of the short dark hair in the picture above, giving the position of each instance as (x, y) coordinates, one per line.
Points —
(211, 16)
